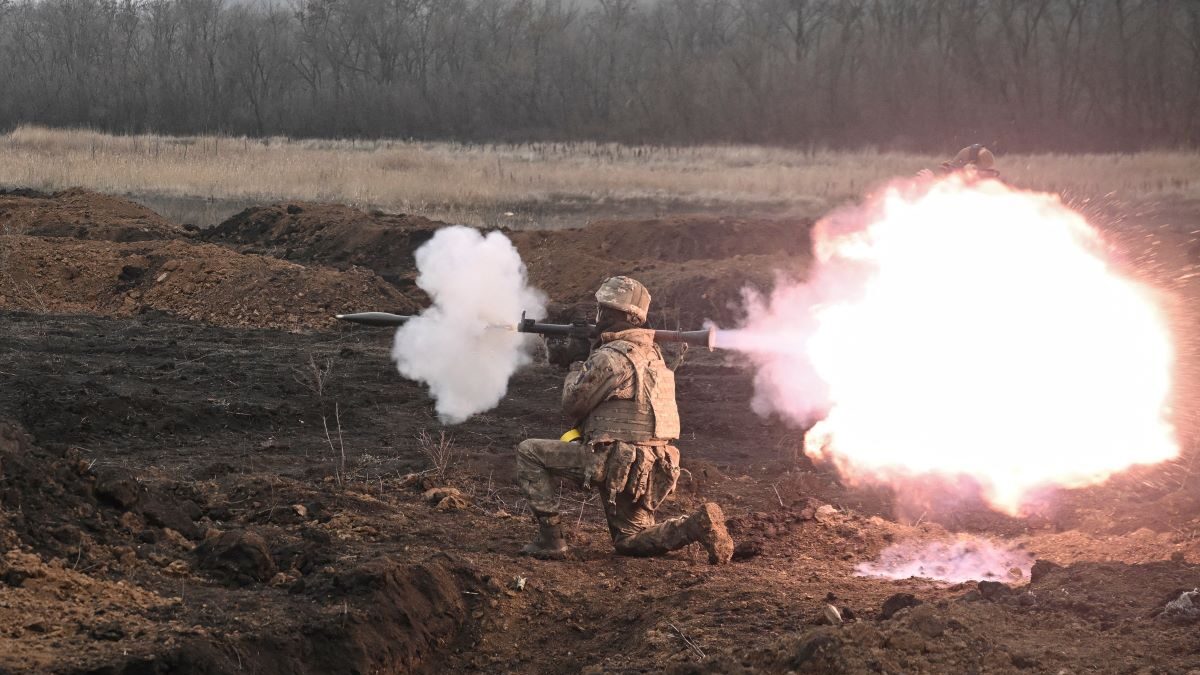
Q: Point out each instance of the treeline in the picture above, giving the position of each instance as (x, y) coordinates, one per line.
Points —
(904, 74)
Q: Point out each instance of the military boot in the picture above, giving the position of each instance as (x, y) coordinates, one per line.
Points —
(549, 544)
(707, 526)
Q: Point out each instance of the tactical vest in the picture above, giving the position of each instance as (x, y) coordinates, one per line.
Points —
(651, 415)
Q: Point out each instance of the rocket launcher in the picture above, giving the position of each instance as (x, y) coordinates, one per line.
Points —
(700, 338)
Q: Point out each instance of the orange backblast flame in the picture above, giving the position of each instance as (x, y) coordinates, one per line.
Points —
(966, 330)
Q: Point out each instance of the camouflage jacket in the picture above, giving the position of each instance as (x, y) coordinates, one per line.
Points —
(624, 391)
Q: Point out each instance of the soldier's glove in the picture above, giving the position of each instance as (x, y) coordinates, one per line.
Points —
(562, 351)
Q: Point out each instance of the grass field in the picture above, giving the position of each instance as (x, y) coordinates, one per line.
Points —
(540, 183)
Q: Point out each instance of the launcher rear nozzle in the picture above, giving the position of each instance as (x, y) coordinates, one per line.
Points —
(706, 337)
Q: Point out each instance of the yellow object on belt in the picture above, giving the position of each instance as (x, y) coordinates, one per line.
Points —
(571, 436)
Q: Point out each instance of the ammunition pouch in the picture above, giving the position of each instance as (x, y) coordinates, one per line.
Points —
(617, 467)
(646, 473)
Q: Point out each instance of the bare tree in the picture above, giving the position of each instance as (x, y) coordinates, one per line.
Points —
(1034, 74)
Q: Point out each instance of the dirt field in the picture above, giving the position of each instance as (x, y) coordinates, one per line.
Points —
(203, 474)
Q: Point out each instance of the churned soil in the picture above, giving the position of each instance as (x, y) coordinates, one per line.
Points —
(185, 497)
(82, 214)
(184, 278)
(676, 238)
(113, 570)
(189, 486)
(696, 265)
(329, 234)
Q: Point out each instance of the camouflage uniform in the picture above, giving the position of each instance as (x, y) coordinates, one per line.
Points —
(624, 396)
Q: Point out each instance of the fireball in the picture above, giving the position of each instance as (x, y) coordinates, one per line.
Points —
(966, 330)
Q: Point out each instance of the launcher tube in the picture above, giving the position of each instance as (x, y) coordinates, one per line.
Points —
(701, 338)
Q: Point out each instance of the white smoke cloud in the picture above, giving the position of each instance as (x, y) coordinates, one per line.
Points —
(776, 339)
(964, 558)
(463, 345)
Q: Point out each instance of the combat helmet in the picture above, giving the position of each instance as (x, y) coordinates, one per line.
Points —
(975, 155)
(625, 295)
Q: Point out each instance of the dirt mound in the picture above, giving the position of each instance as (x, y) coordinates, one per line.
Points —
(68, 544)
(59, 505)
(403, 614)
(196, 281)
(329, 234)
(696, 266)
(684, 294)
(82, 214)
(672, 239)
(105, 571)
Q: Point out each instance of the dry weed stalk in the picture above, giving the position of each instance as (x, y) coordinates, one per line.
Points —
(314, 375)
(338, 472)
(440, 452)
(686, 640)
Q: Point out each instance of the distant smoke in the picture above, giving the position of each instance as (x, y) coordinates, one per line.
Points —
(463, 346)
(963, 559)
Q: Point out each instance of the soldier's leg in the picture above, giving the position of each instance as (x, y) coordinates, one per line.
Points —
(634, 533)
(626, 519)
(539, 463)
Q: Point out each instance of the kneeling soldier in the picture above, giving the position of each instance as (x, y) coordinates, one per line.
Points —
(623, 398)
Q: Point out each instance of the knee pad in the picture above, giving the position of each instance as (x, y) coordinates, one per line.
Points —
(525, 449)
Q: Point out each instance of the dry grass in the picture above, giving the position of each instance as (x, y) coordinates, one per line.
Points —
(440, 452)
(479, 183)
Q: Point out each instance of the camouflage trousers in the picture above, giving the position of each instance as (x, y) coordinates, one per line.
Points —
(540, 463)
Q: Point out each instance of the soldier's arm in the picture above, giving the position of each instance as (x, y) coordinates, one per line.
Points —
(602, 375)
